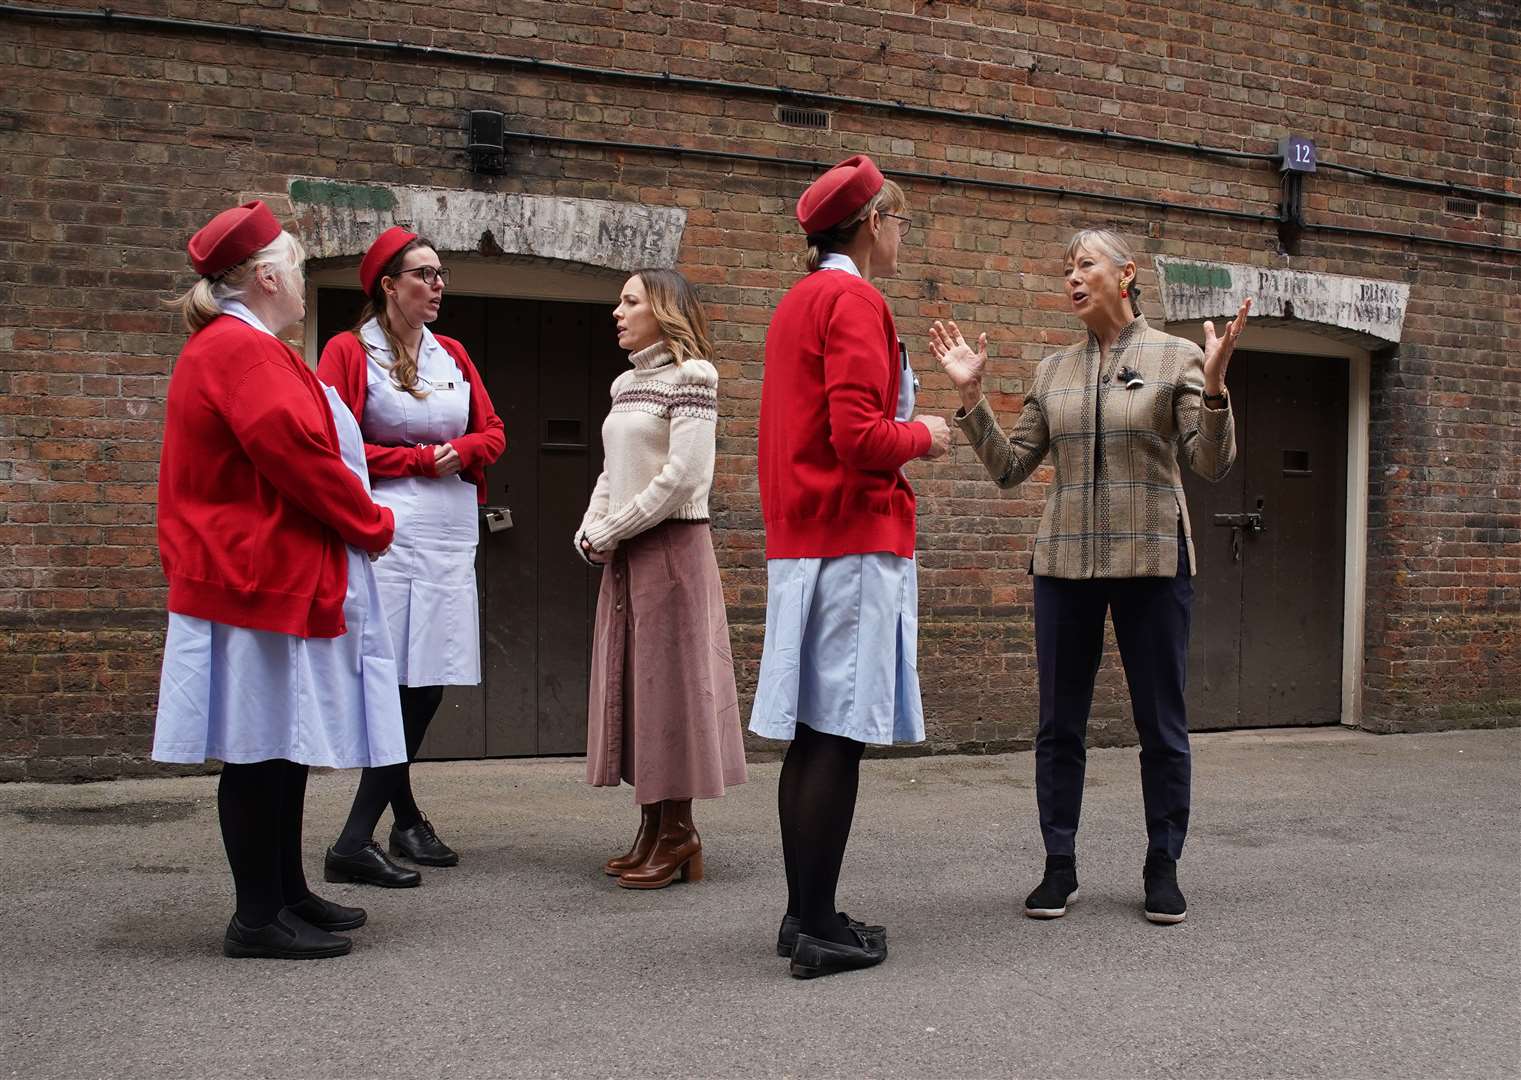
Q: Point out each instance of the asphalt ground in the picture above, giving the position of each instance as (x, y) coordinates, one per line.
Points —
(1354, 911)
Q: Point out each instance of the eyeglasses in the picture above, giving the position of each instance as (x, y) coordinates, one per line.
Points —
(429, 274)
(907, 223)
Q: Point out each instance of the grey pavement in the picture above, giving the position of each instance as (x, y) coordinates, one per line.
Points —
(1355, 911)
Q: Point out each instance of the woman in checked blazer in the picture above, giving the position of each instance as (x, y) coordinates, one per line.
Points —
(1116, 413)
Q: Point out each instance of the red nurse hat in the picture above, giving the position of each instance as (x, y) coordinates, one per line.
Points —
(232, 236)
(382, 251)
(839, 193)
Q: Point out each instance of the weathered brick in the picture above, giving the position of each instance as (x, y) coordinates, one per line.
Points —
(120, 143)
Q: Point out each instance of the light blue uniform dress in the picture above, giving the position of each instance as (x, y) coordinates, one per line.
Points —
(241, 696)
(842, 635)
(427, 579)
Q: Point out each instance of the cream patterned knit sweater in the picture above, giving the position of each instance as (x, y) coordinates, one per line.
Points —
(658, 443)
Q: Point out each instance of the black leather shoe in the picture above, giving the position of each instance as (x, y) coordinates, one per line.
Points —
(812, 958)
(1056, 890)
(326, 915)
(289, 937)
(786, 937)
(368, 866)
(422, 845)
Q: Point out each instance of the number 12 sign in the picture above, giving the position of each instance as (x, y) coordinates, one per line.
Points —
(1296, 154)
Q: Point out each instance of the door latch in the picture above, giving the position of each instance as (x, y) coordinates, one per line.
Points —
(1250, 522)
(498, 518)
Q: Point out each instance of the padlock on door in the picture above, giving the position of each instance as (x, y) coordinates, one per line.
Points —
(498, 518)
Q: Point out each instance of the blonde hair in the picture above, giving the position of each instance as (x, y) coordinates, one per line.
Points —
(675, 305)
(1113, 247)
(203, 301)
(403, 363)
(885, 201)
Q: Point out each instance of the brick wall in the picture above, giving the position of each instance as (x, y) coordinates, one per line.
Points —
(120, 142)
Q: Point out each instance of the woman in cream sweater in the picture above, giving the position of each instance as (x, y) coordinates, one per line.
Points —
(663, 711)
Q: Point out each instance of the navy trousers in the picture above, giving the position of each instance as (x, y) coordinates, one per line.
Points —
(1151, 617)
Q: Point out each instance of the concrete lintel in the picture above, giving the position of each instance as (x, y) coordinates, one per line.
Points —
(1363, 311)
(341, 220)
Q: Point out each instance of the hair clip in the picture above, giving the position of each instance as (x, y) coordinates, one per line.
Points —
(1130, 377)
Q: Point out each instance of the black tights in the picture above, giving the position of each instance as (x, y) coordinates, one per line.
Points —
(260, 807)
(391, 783)
(816, 800)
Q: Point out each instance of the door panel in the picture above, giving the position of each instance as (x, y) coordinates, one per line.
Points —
(564, 453)
(1292, 601)
(1265, 649)
(509, 612)
(1214, 643)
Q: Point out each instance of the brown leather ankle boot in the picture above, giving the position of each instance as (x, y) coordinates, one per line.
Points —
(677, 850)
(649, 826)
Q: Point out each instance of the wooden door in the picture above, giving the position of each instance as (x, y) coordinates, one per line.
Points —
(1267, 624)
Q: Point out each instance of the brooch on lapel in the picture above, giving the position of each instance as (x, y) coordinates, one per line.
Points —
(1130, 377)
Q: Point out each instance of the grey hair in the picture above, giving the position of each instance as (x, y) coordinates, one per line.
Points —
(1113, 247)
(204, 301)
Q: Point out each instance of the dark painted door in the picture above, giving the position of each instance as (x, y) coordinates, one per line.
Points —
(1267, 620)
(548, 366)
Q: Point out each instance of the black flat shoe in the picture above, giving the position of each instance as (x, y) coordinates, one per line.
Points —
(326, 915)
(422, 845)
(786, 937)
(368, 866)
(812, 958)
(289, 937)
(1056, 890)
(1164, 900)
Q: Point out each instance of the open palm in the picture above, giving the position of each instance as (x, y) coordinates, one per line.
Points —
(1218, 350)
(963, 364)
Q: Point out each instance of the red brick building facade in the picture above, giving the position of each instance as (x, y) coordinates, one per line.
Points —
(681, 131)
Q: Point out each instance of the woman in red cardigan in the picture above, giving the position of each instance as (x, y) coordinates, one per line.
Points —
(429, 433)
(836, 427)
(274, 659)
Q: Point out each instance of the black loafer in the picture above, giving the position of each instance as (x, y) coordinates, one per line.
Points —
(326, 915)
(422, 845)
(368, 866)
(812, 958)
(289, 937)
(786, 937)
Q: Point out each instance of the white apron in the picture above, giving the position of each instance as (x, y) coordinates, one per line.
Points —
(427, 579)
(239, 695)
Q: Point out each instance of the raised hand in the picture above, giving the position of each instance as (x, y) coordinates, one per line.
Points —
(957, 358)
(1218, 350)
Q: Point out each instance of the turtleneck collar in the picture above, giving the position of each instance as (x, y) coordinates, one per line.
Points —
(657, 355)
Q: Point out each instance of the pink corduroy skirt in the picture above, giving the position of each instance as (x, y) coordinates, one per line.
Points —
(663, 711)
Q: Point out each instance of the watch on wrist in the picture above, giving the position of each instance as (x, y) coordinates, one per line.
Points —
(1218, 401)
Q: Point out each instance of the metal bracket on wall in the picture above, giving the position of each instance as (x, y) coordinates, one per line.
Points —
(1291, 212)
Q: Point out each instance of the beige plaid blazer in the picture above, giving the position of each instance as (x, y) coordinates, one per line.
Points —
(1115, 503)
